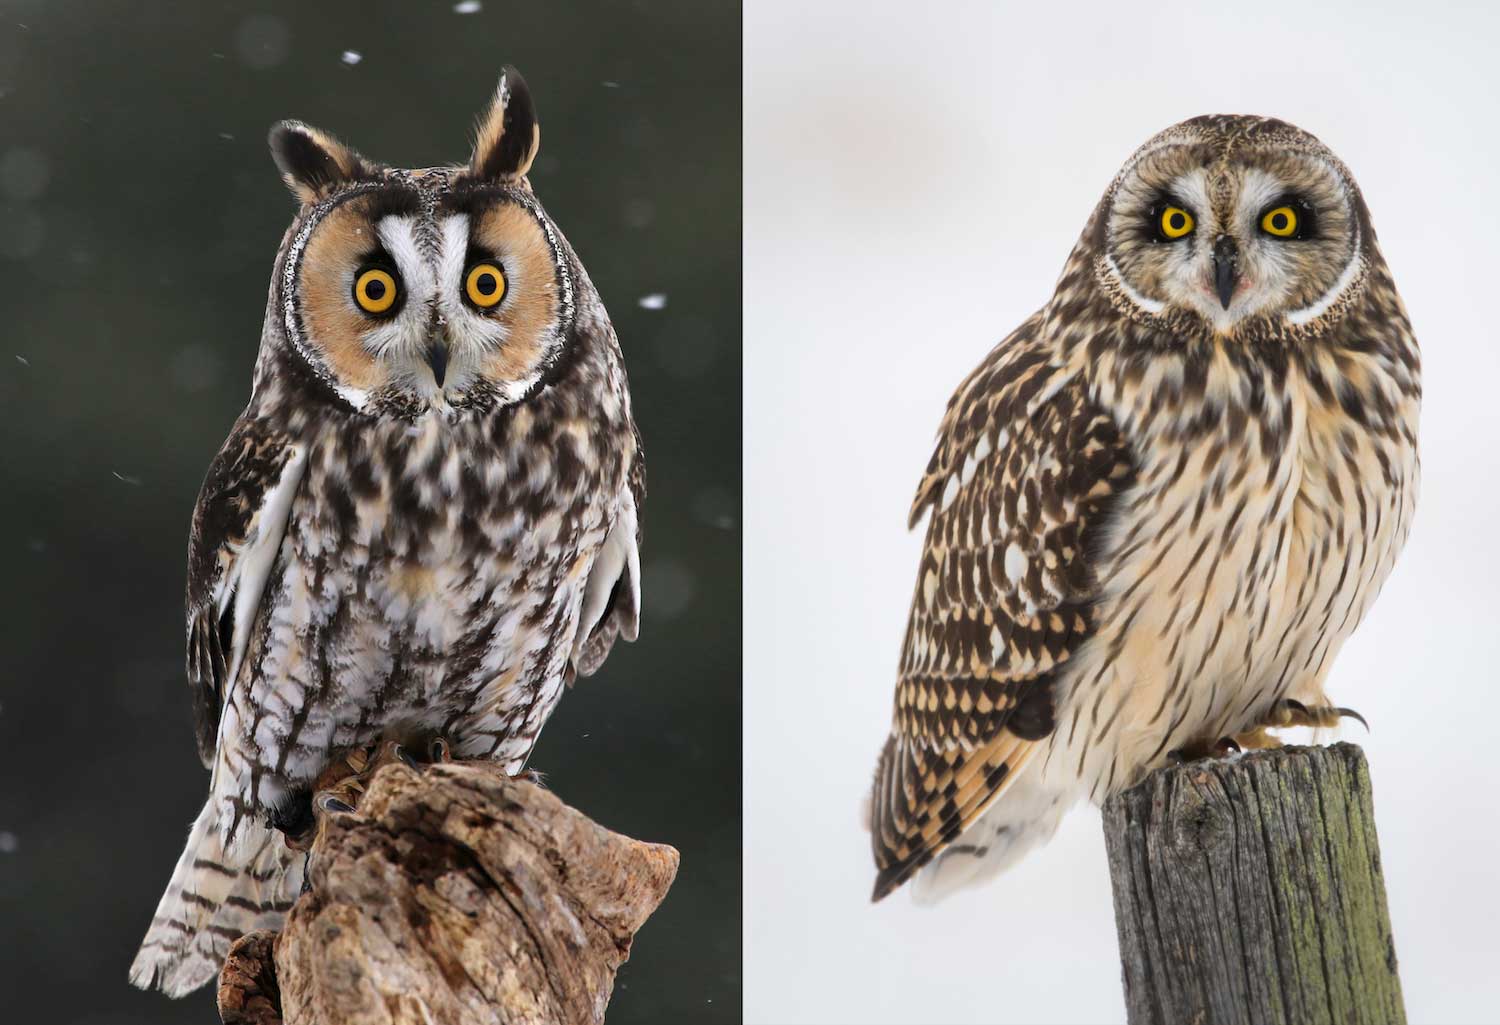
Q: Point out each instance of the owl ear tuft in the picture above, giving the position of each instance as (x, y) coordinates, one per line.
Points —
(313, 163)
(508, 135)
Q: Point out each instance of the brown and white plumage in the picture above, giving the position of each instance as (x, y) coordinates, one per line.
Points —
(1156, 509)
(424, 524)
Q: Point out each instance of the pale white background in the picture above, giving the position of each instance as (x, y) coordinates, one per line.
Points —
(915, 175)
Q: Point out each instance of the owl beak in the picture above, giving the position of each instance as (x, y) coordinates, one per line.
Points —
(1226, 268)
(437, 359)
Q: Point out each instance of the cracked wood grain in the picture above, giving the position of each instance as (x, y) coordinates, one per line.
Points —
(1249, 890)
(456, 894)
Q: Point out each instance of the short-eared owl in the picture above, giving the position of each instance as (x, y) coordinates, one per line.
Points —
(422, 526)
(1158, 508)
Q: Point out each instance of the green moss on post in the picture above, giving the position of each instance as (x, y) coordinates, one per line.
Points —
(1248, 890)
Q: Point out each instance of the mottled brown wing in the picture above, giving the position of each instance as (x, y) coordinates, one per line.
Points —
(1025, 470)
(238, 524)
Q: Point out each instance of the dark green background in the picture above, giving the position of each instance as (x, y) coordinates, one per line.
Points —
(139, 215)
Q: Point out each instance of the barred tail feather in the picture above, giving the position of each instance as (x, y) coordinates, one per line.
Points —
(1025, 816)
(215, 896)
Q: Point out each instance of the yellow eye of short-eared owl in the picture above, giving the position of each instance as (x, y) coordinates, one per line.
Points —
(484, 285)
(375, 290)
(1281, 222)
(1176, 222)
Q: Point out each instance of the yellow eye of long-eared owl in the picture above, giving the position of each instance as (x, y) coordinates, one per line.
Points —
(375, 290)
(484, 285)
(1281, 222)
(1175, 222)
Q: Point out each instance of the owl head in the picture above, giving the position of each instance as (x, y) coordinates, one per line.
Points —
(407, 291)
(1245, 227)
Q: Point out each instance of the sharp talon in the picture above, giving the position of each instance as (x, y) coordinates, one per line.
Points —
(439, 751)
(404, 756)
(1349, 713)
(1229, 745)
(332, 805)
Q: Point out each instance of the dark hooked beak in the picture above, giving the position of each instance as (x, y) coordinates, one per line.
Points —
(1226, 268)
(437, 359)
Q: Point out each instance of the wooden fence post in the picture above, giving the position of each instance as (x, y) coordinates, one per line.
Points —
(1248, 890)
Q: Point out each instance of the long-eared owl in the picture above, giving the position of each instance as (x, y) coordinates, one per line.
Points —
(1157, 508)
(424, 524)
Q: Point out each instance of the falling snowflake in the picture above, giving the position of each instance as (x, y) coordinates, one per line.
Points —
(352, 57)
(467, 7)
(654, 301)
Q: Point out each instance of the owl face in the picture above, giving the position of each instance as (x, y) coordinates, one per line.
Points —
(408, 291)
(1235, 226)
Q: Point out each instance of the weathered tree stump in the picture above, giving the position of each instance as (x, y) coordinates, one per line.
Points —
(455, 894)
(1248, 890)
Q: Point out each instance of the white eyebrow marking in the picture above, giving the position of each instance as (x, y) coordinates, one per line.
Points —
(398, 235)
(406, 331)
(454, 251)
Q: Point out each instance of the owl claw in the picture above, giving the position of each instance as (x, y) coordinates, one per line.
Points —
(342, 783)
(1349, 713)
(1290, 712)
(300, 830)
(331, 805)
